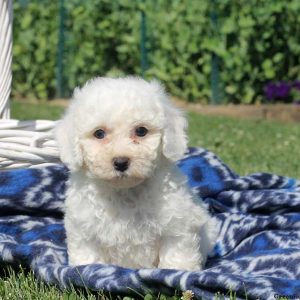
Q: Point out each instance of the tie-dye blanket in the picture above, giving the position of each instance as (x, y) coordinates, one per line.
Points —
(257, 254)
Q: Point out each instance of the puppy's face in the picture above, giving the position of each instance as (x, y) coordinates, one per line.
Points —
(118, 130)
(123, 151)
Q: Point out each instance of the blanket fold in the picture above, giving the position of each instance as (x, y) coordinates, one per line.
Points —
(257, 253)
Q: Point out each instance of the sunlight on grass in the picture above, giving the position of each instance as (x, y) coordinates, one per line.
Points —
(246, 146)
(249, 146)
(30, 111)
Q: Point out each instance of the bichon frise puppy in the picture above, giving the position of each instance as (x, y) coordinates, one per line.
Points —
(127, 203)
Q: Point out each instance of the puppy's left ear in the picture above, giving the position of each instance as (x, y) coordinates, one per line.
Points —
(174, 133)
(174, 138)
(68, 144)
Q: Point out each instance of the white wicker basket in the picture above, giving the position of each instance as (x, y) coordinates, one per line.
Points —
(27, 144)
(22, 143)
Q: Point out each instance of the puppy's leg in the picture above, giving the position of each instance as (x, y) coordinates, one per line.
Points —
(80, 254)
(181, 252)
(83, 252)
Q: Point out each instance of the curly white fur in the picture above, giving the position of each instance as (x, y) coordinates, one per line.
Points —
(142, 217)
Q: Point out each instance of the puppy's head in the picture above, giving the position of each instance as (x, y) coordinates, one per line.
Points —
(119, 130)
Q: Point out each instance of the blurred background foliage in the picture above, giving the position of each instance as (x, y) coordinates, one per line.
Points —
(256, 42)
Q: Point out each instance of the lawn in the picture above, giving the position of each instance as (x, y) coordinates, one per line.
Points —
(246, 146)
(31, 111)
(249, 146)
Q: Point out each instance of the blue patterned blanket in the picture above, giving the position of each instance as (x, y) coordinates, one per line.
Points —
(257, 253)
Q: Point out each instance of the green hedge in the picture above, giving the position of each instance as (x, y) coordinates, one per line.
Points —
(256, 41)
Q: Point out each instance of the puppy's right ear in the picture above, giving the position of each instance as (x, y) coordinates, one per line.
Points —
(68, 144)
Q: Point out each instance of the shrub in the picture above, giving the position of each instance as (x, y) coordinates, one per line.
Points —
(34, 48)
(259, 44)
(256, 42)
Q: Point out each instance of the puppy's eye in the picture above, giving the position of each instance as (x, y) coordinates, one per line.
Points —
(99, 134)
(141, 131)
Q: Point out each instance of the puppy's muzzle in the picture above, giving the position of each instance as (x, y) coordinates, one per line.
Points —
(121, 163)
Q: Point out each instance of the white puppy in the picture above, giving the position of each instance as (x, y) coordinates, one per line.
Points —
(127, 203)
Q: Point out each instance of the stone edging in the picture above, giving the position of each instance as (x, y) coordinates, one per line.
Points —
(278, 112)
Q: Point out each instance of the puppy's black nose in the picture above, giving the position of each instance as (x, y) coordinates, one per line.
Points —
(121, 163)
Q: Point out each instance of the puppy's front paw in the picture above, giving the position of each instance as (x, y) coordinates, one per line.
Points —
(83, 255)
(181, 252)
(76, 259)
(182, 265)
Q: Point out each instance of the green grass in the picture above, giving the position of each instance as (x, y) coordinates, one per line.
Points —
(23, 285)
(30, 111)
(246, 146)
(249, 146)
